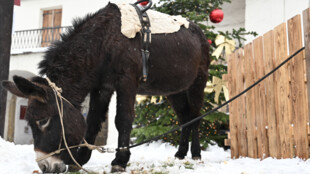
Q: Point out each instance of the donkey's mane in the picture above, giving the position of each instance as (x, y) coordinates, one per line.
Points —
(77, 23)
(70, 62)
(77, 27)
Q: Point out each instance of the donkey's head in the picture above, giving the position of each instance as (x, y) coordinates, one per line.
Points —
(43, 117)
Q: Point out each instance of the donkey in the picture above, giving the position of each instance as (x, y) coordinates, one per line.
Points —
(94, 57)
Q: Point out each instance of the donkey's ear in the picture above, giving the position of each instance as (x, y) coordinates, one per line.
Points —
(10, 86)
(30, 89)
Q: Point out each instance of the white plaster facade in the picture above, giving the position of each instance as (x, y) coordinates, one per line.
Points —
(234, 16)
(259, 15)
(29, 14)
(16, 129)
(26, 62)
(263, 15)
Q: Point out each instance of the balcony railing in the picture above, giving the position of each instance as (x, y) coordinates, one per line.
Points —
(34, 39)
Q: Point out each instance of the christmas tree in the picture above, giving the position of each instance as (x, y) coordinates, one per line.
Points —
(154, 115)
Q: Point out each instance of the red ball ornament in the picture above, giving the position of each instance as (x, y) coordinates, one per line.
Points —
(216, 16)
(144, 3)
(210, 41)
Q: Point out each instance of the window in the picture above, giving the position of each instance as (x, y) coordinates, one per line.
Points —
(22, 113)
(51, 26)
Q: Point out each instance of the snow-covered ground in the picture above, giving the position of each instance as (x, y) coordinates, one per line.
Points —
(158, 158)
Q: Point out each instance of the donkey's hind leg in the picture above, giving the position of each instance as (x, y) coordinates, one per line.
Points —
(187, 105)
(195, 96)
(180, 105)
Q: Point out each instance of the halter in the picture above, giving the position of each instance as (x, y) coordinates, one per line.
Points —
(57, 91)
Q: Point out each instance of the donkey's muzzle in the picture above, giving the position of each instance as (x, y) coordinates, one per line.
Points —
(55, 168)
(51, 164)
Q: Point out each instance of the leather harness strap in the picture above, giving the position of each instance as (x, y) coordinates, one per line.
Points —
(146, 39)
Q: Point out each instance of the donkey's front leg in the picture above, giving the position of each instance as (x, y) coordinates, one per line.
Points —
(98, 108)
(123, 121)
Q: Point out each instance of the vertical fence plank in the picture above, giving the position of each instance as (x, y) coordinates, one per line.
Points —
(273, 138)
(282, 92)
(306, 22)
(232, 107)
(299, 115)
(250, 101)
(236, 106)
(306, 94)
(242, 139)
(260, 105)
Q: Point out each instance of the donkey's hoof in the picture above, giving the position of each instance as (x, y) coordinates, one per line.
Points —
(179, 156)
(117, 168)
(196, 157)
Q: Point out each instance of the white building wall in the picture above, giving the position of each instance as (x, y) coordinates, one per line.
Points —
(263, 15)
(234, 16)
(22, 131)
(29, 14)
(26, 62)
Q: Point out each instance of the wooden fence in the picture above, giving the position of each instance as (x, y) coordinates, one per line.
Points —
(272, 119)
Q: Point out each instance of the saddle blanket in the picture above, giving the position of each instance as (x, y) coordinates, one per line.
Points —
(160, 23)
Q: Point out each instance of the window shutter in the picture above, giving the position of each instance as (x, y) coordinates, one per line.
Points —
(57, 17)
(51, 19)
(57, 23)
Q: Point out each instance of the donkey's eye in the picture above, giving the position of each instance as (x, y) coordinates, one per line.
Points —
(42, 124)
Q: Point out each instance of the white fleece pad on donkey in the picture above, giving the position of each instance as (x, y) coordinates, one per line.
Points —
(160, 22)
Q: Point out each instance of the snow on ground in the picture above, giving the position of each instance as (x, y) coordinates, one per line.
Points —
(158, 158)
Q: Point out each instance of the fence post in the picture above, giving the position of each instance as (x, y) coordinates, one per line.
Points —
(240, 103)
(260, 104)
(283, 101)
(298, 98)
(233, 121)
(273, 138)
(250, 101)
(306, 22)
